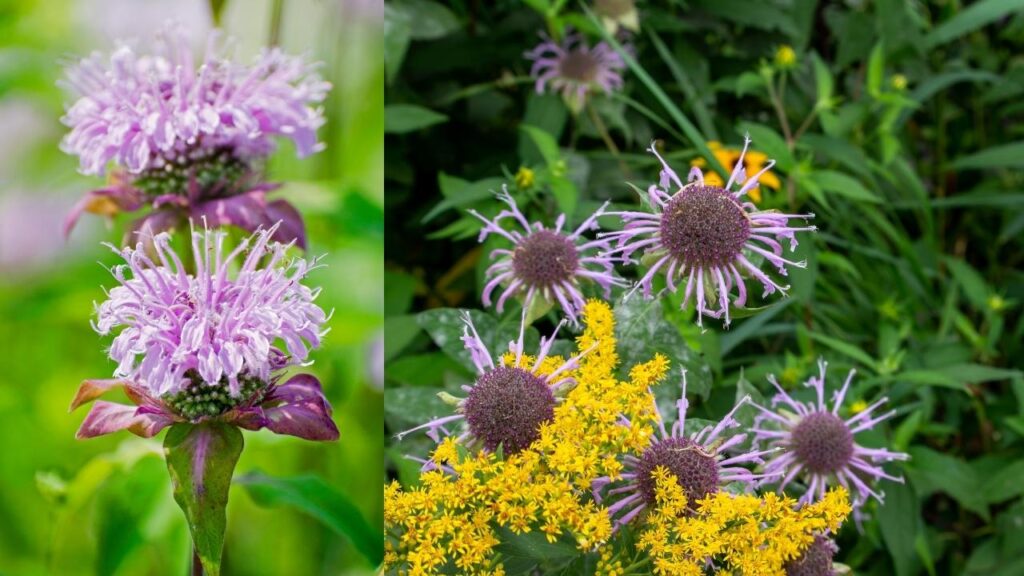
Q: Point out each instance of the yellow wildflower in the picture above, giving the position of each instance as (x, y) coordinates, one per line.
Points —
(524, 178)
(785, 57)
(753, 163)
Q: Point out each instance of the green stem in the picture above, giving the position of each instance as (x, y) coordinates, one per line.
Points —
(608, 142)
(773, 95)
(276, 17)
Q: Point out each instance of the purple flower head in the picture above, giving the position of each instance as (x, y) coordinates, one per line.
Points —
(145, 111)
(189, 137)
(546, 263)
(211, 344)
(697, 461)
(816, 560)
(706, 239)
(573, 68)
(508, 403)
(815, 443)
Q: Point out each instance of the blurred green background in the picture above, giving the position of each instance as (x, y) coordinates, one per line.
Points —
(104, 506)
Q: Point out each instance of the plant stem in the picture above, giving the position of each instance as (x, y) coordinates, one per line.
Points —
(773, 95)
(276, 16)
(608, 142)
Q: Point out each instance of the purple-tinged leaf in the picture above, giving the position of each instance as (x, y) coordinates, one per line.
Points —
(105, 202)
(201, 459)
(298, 408)
(292, 227)
(90, 390)
(107, 417)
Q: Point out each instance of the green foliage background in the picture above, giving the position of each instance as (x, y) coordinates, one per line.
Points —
(104, 506)
(900, 125)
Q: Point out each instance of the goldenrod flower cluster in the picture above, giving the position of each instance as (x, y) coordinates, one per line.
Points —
(742, 534)
(451, 517)
(456, 517)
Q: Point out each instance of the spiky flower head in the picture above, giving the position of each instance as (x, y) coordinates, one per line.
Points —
(697, 461)
(177, 329)
(509, 401)
(210, 344)
(144, 111)
(181, 132)
(816, 560)
(574, 69)
(546, 263)
(706, 238)
(818, 445)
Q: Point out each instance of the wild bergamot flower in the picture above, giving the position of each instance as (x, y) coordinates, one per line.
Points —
(816, 560)
(574, 69)
(705, 238)
(189, 138)
(816, 443)
(203, 345)
(509, 402)
(696, 461)
(544, 262)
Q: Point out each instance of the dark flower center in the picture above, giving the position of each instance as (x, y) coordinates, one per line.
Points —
(216, 173)
(579, 66)
(695, 470)
(202, 400)
(815, 561)
(704, 226)
(545, 258)
(823, 443)
(507, 408)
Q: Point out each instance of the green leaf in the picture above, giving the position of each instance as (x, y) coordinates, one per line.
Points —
(843, 185)
(545, 142)
(876, 70)
(846, 349)
(401, 331)
(641, 331)
(313, 496)
(824, 82)
(404, 118)
(1006, 484)
(971, 18)
(459, 193)
(1004, 156)
(936, 472)
(771, 143)
(974, 286)
(201, 459)
(428, 20)
(397, 35)
(521, 553)
(446, 328)
(900, 520)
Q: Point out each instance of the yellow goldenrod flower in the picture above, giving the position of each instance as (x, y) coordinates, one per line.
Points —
(898, 82)
(858, 407)
(524, 178)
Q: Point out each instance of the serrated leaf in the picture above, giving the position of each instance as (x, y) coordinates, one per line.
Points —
(445, 327)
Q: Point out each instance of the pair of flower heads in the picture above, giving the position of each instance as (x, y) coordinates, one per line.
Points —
(705, 240)
(212, 333)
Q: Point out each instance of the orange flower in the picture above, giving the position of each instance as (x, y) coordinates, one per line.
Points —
(752, 163)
